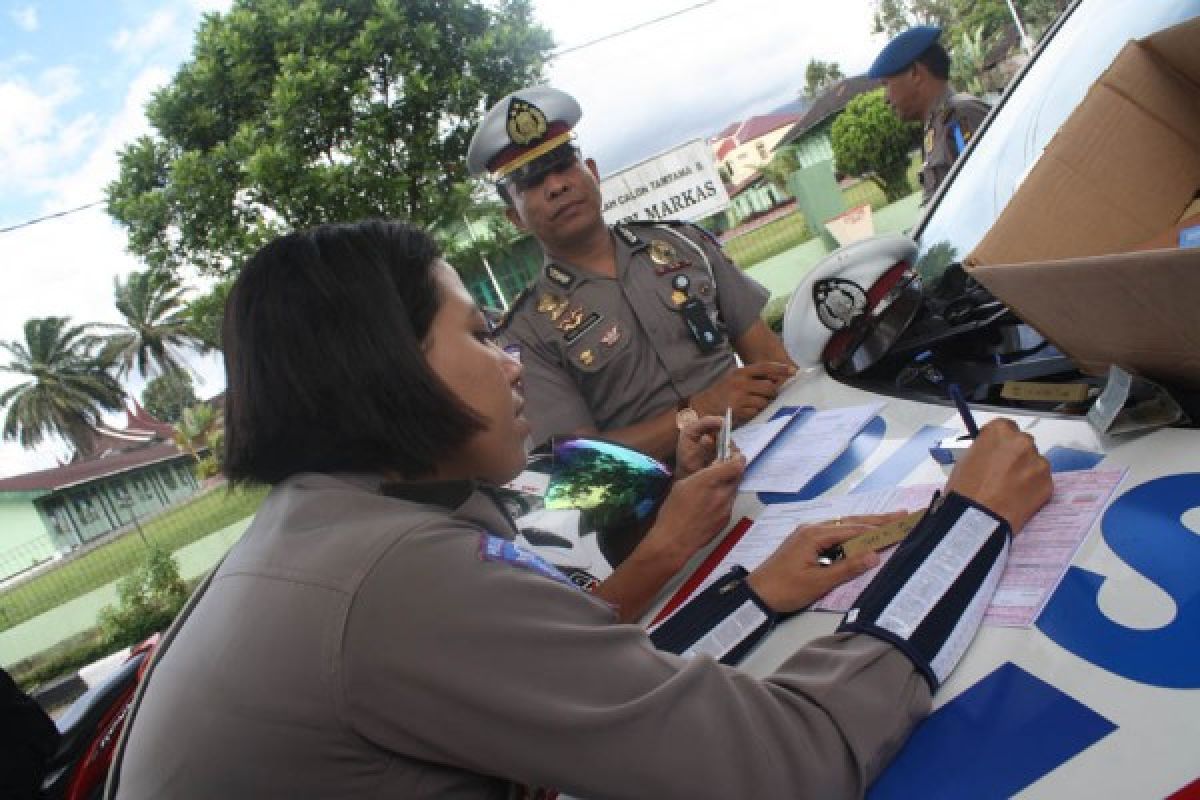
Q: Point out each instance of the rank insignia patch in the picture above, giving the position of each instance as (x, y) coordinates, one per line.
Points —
(580, 328)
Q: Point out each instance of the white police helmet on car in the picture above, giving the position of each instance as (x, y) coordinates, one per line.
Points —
(847, 294)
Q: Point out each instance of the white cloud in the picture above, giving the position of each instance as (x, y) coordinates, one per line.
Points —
(161, 29)
(26, 18)
(35, 139)
(689, 75)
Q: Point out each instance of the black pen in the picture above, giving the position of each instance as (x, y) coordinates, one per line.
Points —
(964, 411)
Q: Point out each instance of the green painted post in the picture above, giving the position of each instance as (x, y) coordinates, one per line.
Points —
(818, 198)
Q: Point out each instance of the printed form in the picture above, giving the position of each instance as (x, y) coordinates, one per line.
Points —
(1038, 558)
(800, 447)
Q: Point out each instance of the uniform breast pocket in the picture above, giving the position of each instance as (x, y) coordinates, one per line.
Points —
(597, 344)
(676, 288)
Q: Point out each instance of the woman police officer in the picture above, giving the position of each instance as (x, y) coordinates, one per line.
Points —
(376, 633)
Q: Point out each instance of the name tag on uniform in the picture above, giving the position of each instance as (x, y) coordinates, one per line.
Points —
(495, 548)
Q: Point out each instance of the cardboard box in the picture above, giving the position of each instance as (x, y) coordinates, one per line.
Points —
(1123, 169)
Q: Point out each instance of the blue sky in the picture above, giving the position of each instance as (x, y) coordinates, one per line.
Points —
(76, 74)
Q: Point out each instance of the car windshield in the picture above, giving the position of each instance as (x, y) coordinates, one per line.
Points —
(1029, 116)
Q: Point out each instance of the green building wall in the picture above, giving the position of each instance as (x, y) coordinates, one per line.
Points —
(36, 525)
(23, 539)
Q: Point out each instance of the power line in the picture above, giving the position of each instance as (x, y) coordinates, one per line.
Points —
(551, 57)
(637, 27)
(55, 215)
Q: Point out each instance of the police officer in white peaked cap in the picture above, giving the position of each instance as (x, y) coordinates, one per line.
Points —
(628, 325)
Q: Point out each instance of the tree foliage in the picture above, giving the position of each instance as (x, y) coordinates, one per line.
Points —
(149, 598)
(205, 313)
(819, 76)
(157, 331)
(781, 166)
(166, 396)
(869, 140)
(68, 384)
(292, 113)
(964, 17)
(196, 425)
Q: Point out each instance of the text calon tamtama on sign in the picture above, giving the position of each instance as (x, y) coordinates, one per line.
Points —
(680, 184)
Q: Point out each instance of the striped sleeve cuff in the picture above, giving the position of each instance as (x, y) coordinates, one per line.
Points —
(723, 622)
(930, 598)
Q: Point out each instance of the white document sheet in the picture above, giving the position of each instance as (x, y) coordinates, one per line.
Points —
(752, 439)
(808, 445)
(1039, 555)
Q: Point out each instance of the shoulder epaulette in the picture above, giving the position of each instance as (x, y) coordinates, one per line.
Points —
(676, 223)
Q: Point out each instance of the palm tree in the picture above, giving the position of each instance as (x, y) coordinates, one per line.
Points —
(68, 386)
(198, 425)
(157, 327)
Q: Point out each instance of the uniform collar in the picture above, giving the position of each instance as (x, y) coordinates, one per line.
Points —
(563, 277)
(469, 501)
(940, 108)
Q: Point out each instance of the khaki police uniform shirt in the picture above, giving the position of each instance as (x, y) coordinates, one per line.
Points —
(610, 352)
(941, 146)
(356, 645)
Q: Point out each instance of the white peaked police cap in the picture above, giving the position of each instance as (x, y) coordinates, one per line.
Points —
(844, 287)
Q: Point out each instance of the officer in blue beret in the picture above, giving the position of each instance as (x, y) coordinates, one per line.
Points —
(915, 71)
(627, 326)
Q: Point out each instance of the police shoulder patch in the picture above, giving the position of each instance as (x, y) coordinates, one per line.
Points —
(497, 549)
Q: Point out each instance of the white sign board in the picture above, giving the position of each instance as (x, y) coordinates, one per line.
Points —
(680, 184)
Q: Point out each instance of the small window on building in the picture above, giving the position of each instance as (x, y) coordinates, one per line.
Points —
(168, 478)
(762, 150)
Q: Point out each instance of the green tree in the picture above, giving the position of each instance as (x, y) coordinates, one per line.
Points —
(205, 313)
(959, 17)
(966, 63)
(297, 112)
(893, 16)
(195, 426)
(69, 384)
(157, 332)
(781, 166)
(820, 75)
(871, 141)
(166, 396)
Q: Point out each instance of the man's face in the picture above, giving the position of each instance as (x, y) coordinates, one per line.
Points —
(903, 94)
(560, 205)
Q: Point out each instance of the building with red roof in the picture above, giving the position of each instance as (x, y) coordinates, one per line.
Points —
(136, 470)
(742, 147)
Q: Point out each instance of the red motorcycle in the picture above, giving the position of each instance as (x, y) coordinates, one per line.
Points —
(91, 728)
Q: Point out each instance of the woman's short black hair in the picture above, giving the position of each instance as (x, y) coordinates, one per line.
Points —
(936, 60)
(324, 368)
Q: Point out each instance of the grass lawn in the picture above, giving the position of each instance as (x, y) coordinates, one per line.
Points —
(171, 530)
(783, 234)
(775, 237)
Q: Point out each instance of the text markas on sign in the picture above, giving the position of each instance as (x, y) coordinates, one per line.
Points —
(673, 205)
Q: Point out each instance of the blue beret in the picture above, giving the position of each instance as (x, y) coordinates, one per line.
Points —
(903, 50)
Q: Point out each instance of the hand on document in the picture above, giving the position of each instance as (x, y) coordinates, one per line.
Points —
(791, 578)
(1004, 473)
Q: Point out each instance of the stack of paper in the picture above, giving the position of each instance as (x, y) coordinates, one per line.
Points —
(796, 447)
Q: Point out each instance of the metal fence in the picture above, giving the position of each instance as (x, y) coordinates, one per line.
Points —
(62, 596)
